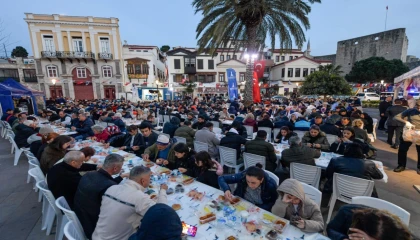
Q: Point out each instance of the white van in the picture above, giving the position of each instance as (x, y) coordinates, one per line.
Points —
(368, 96)
(390, 94)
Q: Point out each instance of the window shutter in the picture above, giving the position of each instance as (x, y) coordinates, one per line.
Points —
(200, 63)
(177, 63)
(211, 64)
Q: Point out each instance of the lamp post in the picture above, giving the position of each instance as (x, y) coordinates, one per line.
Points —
(54, 81)
(157, 87)
(382, 85)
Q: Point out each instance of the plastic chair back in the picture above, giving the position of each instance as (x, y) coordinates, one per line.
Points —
(383, 205)
(306, 173)
(43, 187)
(250, 131)
(62, 204)
(275, 132)
(228, 156)
(312, 193)
(331, 138)
(180, 139)
(72, 232)
(273, 176)
(375, 123)
(346, 187)
(37, 174)
(268, 131)
(200, 146)
(216, 124)
(252, 159)
(217, 130)
(166, 118)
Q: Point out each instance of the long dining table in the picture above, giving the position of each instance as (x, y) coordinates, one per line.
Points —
(227, 222)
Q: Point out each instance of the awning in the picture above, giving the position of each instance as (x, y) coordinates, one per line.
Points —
(410, 74)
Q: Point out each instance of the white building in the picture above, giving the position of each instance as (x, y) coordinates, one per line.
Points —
(143, 66)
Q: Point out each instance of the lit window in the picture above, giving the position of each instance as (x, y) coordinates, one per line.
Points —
(107, 71)
(52, 71)
(81, 72)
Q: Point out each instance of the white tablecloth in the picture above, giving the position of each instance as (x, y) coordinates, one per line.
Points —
(227, 122)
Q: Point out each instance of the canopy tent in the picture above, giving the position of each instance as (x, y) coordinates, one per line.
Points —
(413, 73)
(409, 82)
(6, 96)
(38, 97)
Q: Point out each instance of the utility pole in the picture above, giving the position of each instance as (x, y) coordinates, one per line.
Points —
(386, 16)
(5, 52)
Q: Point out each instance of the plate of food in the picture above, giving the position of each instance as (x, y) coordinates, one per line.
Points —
(233, 201)
(176, 206)
(187, 181)
(196, 195)
(149, 164)
(207, 218)
(163, 170)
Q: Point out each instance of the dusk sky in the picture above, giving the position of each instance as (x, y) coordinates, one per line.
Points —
(173, 22)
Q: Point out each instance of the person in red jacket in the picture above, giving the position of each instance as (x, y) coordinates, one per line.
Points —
(101, 134)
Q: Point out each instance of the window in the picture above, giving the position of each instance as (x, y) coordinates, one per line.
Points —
(313, 70)
(227, 57)
(267, 70)
(242, 77)
(201, 78)
(52, 71)
(283, 58)
(200, 64)
(222, 77)
(105, 45)
(234, 57)
(206, 78)
(305, 72)
(297, 72)
(277, 58)
(283, 72)
(290, 58)
(211, 64)
(106, 71)
(189, 62)
(178, 78)
(77, 44)
(290, 72)
(177, 63)
(154, 70)
(210, 78)
(296, 57)
(222, 58)
(81, 72)
(130, 69)
(49, 43)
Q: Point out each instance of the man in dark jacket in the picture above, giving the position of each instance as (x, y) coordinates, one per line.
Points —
(171, 126)
(83, 127)
(383, 106)
(88, 198)
(233, 140)
(11, 118)
(200, 123)
(149, 137)
(131, 142)
(395, 125)
(63, 178)
(338, 227)
(186, 132)
(329, 127)
(284, 121)
(260, 147)
(8, 113)
(23, 132)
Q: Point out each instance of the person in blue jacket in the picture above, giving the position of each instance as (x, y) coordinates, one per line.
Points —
(253, 185)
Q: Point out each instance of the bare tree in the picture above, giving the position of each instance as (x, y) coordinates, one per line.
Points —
(4, 40)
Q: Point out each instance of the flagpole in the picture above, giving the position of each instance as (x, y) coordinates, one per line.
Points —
(386, 16)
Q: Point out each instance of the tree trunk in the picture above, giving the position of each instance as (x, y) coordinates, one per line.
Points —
(251, 33)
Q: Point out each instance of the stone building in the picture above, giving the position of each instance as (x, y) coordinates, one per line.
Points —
(20, 69)
(391, 44)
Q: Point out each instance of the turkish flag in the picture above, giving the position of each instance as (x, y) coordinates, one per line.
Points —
(259, 67)
(256, 89)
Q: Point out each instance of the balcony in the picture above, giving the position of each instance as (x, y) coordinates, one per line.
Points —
(190, 70)
(106, 56)
(49, 54)
(76, 55)
(31, 79)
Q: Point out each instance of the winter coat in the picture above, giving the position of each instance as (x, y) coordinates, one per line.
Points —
(393, 111)
(170, 127)
(308, 210)
(265, 123)
(383, 106)
(251, 122)
(198, 125)
(153, 152)
(121, 125)
(268, 188)
(329, 127)
(361, 134)
(23, 132)
(354, 167)
(188, 162)
(186, 132)
(321, 139)
(234, 141)
(260, 147)
(205, 136)
(284, 122)
(84, 128)
(49, 157)
(338, 227)
(299, 154)
(88, 198)
(125, 140)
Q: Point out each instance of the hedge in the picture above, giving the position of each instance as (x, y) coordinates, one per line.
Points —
(371, 104)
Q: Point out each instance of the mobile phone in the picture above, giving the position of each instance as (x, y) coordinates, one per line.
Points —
(189, 230)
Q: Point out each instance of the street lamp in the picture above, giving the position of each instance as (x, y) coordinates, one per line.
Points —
(54, 81)
(157, 87)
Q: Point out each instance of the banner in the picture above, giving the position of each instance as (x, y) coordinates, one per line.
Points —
(232, 84)
(256, 89)
(259, 67)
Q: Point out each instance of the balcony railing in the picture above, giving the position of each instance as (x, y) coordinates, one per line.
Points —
(190, 70)
(63, 54)
(105, 55)
(4, 78)
(49, 54)
(31, 79)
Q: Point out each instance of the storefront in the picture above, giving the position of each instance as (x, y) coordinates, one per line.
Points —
(151, 94)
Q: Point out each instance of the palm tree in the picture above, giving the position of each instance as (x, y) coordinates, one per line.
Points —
(331, 69)
(247, 23)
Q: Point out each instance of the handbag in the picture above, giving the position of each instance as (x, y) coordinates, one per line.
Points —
(411, 135)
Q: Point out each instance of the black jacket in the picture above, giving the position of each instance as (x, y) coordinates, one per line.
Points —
(383, 106)
(354, 167)
(35, 145)
(339, 226)
(393, 111)
(208, 177)
(265, 123)
(186, 162)
(329, 128)
(63, 179)
(88, 198)
(233, 140)
(85, 128)
(23, 132)
(125, 140)
(259, 146)
(299, 154)
(198, 125)
(149, 141)
(284, 122)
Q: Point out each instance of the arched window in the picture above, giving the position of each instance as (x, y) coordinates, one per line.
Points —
(52, 71)
(106, 71)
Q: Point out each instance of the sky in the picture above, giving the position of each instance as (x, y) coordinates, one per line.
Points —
(173, 22)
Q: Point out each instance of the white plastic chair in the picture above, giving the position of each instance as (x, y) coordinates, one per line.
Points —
(268, 131)
(252, 159)
(383, 205)
(52, 212)
(62, 204)
(181, 139)
(274, 177)
(37, 174)
(331, 138)
(17, 150)
(166, 118)
(229, 158)
(160, 119)
(217, 130)
(200, 146)
(346, 187)
(32, 164)
(375, 123)
(306, 173)
(312, 193)
(300, 134)
(216, 124)
(72, 233)
(249, 131)
(275, 133)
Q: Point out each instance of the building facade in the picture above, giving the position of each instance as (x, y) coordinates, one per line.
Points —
(81, 55)
(144, 67)
(21, 70)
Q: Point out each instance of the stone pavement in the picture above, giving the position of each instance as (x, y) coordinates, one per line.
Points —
(20, 212)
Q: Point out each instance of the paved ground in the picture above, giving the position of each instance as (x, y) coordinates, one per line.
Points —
(20, 212)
